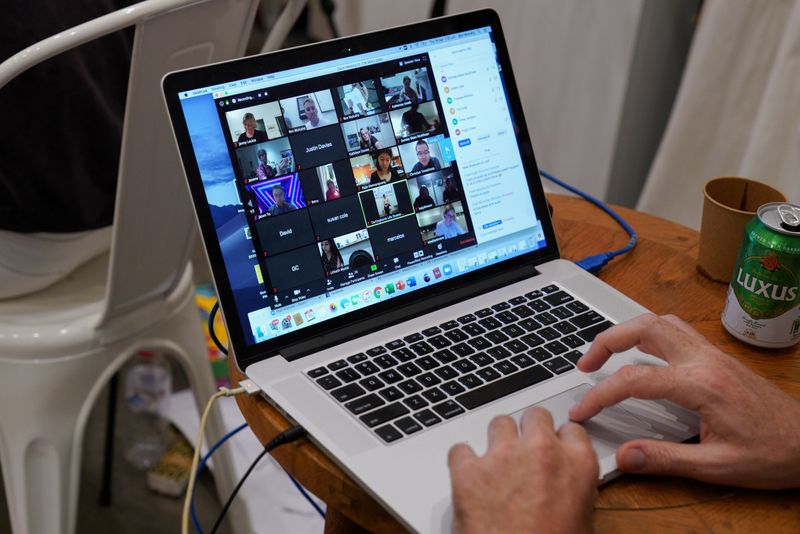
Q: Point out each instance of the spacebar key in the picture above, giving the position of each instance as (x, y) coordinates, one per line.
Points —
(501, 388)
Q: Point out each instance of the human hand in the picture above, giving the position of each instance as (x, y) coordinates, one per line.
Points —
(535, 480)
(749, 429)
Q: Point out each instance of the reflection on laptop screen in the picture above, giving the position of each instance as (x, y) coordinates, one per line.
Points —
(343, 184)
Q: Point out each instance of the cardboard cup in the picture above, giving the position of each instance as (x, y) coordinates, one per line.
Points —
(728, 204)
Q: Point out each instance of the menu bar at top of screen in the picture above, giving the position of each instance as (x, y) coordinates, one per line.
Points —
(336, 65)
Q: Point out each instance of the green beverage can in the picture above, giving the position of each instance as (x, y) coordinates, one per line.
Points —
(763, 303)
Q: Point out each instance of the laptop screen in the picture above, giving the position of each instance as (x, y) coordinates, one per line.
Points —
(344, 184)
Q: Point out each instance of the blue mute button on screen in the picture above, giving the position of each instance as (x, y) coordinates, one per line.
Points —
(464, 142)
(493, 223)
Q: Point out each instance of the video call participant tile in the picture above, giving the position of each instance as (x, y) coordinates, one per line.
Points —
(275, 196)
(265, 160)
(407, 87)
(434, 189)
(416, 121)
(294, 268)
(443, 222)
(380, 168)
(337, 217)
(345, 252)
(368, 134)
(385, 202)
(284, 232)
(359, 99)
(395, 237)
(255, 124)
(331, 181)
(317, 147)
(423, 155)
(309, 111)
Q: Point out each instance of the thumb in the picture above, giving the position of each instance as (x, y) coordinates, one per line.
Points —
(654, 457)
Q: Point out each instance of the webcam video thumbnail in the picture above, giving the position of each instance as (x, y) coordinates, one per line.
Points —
(327, 182)
(415, 120)
(385, 202)
(408, 87)
(359, 99)
(383, 167)
(434, 189)
(265, 160)
(424, 155)
(309, 111)
(256, 124)
(345, 252)
(368, 134)
(443, 222)
(276, 196)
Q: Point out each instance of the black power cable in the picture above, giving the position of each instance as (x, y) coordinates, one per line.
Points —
(214, 338)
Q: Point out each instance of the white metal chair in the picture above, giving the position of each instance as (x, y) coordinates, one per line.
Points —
(59, 347)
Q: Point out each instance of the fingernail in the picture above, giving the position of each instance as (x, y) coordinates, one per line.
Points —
(633, 459)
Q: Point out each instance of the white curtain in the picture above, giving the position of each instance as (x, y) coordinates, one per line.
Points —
(737, 111)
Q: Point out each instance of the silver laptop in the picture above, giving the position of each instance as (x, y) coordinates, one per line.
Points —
(384, 256)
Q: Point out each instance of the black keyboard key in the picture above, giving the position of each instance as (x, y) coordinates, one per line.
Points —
(534, 295)
(367, 368)
(453, 388)
(490, 323)
(439, 342)
(561, 312)
(474, 329)
(318, 372)
(383, 415)
(329, 382)
(496, 336)
(505, 386)
(558, 298)
(390, 376)
(449, 325)
(539, 354)
(505, 367)
(404, 354)
(465, 319)
(462, 349)
(506, 317)
(432, 331)
(565, 327)
(357, 358)
(512, 330)
(365, 404)
(415, 402)
(529, 324)
(572, 341)
(556, 347)
(577, 306)
(372, 383)
(590, 333)
(428, 380)
(385, 361)
(434, 395)
(500, 306)
(484, 312)
(348, 375)
(480, 343)
(338, 364)
(448, 409)
(427, 363)
(388, 433)
(470, 381)
(558, 365)
(374, 351)
(445, 356)
(549, 334)
(407, 425)
(550, 289)
(517, 300)
(539, 305)
(391, 393)
(446, 372)
(546, 318)
(488, 374)
(586, 319)
(456, 336)
(533, 340)
(394, 345)
(409, 369)
(421, 348)
(410, 386)
(498, 353)
(573, 356)
(465, 366)
(523, 360)
(413, 338)
(516, 346)
(348, 392)
(481, 359)
(427, 417)
(522, 311)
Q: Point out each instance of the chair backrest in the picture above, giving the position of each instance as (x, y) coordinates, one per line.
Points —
(153, 220)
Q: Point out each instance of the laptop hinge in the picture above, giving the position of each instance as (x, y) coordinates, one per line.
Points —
(415, 309)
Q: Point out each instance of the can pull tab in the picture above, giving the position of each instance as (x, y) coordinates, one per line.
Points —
(790, 217)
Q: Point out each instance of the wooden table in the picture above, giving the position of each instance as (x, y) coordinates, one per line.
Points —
(660, 274)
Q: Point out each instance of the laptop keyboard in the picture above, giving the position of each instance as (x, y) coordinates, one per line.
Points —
(409, 384)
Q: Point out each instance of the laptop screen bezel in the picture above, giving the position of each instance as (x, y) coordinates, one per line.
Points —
(182, 81)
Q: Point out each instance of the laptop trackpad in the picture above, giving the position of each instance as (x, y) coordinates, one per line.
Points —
(630, 419)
